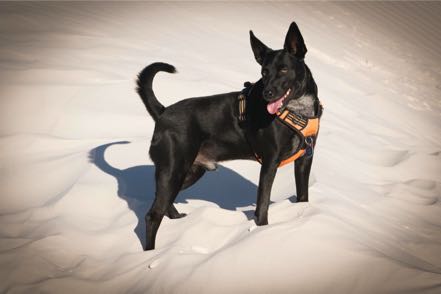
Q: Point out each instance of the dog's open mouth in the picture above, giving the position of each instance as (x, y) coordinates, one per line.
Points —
(274, 106)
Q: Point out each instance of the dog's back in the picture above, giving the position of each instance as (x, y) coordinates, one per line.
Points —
(208, 124)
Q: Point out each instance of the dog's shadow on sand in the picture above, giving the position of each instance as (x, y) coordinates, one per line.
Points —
(136, 185)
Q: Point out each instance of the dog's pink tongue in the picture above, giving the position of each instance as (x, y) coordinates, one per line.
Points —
(274, 106)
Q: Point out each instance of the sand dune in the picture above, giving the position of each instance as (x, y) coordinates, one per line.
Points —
(76, 178)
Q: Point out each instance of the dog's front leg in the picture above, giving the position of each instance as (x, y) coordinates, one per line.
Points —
(267, 175)
(302, 170)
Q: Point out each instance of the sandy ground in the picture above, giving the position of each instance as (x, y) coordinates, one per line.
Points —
(76, 179)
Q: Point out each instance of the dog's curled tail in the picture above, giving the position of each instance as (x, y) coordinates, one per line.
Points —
(145, 90)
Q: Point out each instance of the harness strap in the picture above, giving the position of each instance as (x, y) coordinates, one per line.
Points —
(242, 98)
(307, 128)
(242, 107)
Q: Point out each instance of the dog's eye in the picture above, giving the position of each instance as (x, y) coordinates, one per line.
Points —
(264, 73)
(283, 71)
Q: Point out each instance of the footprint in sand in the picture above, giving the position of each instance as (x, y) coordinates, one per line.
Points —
(421, 184)
(385, 158)
(252, 228)
(419, 191)
(200, 249)
(389, 158)
(436, 153)
(154, 263)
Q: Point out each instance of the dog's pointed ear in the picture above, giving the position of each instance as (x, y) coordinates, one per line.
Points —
(294, 43)
(259, 49)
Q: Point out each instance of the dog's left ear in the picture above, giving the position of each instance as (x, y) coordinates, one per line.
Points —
(294, 43)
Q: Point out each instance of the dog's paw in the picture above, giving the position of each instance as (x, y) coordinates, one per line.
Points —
(179, 215)
(263, 221)
(175, 215)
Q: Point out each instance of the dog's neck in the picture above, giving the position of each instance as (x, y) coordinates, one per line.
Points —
(304, 105)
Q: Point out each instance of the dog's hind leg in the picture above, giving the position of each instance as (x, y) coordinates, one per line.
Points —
(173, 213)
(302, 170)
(168, 184)
(193, 175)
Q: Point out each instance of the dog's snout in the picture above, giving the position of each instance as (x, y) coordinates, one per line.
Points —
(268, 94)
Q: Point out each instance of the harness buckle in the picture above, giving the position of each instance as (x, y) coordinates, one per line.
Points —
(309, 150)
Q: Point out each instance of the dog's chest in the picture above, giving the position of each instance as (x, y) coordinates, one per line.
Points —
(303, 105)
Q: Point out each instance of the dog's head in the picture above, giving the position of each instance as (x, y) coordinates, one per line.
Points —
(283, 71)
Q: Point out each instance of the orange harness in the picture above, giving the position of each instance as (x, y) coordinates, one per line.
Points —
(307, 128)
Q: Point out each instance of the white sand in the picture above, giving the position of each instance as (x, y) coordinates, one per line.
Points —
(69, 216)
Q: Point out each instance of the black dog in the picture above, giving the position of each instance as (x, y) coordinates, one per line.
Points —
(192, 135)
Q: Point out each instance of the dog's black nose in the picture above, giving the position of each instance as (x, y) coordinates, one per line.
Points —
(268, 94)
